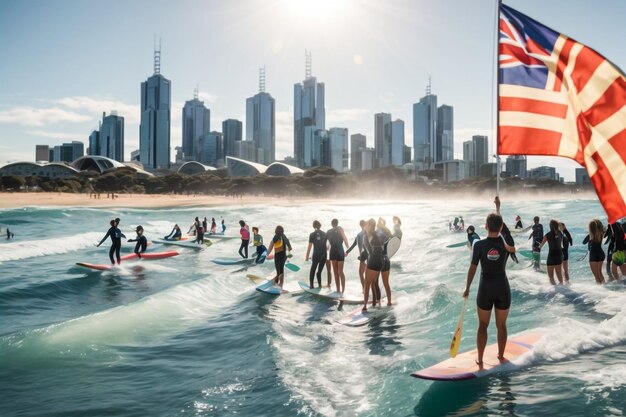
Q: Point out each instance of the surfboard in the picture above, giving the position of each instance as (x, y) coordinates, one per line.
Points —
(360, 318)
(330, 294)
(105, 267)
(464, 366)
(183, 243)
(393, 245)
(520, 231)
(267, 286)
(219, 236)
(151, 255)
(458, 245)
(234, 261)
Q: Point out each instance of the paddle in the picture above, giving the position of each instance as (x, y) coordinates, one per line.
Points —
(582, 258)
(292, 267)
(456, 339)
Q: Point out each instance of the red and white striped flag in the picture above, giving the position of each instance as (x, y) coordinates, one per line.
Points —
(559, 97)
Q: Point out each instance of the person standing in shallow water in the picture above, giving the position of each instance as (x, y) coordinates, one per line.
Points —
(596, 253)
(317, 241)
(554, 238)
(493, 290)
(567, 242)
(279, 244)
(537, 236)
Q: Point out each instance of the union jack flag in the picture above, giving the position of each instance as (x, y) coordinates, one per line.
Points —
(559, 97)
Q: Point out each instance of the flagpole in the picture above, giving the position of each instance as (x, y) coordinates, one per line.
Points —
(497, 56)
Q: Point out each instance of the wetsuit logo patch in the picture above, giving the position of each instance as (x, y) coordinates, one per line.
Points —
(493, 255)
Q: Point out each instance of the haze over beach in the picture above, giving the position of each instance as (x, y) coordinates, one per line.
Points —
(295, 208)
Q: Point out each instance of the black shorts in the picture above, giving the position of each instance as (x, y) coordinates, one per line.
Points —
(378, 262)
(554, 258)
(565, 254)
(493, 292)
(336, 254)
(596, 255)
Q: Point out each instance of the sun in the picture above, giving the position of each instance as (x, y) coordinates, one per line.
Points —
(315, 9)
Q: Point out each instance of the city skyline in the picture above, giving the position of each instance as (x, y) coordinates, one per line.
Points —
(360, 81)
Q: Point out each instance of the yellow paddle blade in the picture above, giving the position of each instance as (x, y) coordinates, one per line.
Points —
(456, 339)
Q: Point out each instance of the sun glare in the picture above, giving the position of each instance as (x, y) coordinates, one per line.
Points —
(315, 9)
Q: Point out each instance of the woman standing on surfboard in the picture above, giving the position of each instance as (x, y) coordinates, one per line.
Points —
(377, 262)
(280, 244)
(336, 239)
(245, 239)
(493, 290)
(567, 242)
(317, 241)
(555, 251)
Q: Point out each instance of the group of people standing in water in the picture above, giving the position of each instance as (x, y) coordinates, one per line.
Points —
(200, 228)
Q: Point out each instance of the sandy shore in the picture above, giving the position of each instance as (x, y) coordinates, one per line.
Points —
(15, 200)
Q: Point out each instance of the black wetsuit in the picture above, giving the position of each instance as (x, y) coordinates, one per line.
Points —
(116, 243)
(141, 245)
(567, 242)
(493, 289)
(555, 248)
(537, 236)
(335, 240)
(358, 242)
(199, 232)
(175, 234)
(519, 225)
(280, 253)
(473, 237)
(596, 253)
(508, 238)
(318, 239)
(377, 259)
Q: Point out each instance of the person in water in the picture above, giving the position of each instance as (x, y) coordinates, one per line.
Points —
(142, 241)
(518, 222)
(257, 242)
(397, 227)
(537, 236)
(508, 237)
(377, 262)
(358, 243)
(175, 234)
(317, 241)
(567, 242)
(193, 228)
(9, 234)
(472, 237)
(205, 225)
(596, 253)
(280, 244)
(244, 231)
(493, 289)
(213, 226)
(554, 238)
(384, 234)
(223, 227)
(619, 251)
(199, 232)
(116, 236)
(461, 223)
(336, 239)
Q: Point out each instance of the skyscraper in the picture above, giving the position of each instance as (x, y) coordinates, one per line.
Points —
(42, 153)
(308, 110)
(68, 152)
(111, 137)
(397, 142)
(338, 147)
(260, 122)
(196, 123)
(445, 134)
(232, 130)
(357, 142)
(481, 151)
(516, 166)
(382, 139)
(210, 149)
(94, 142)
(468, 156)
(424, 130)
(154, 129)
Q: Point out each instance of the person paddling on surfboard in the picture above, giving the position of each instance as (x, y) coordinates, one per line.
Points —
(280, 244)
(358, 242)
(142, 241)
(493, 289)
(317, 241)
(337, 238)
(377, 262)
(257, 242)
(175, 234)
(116, 241)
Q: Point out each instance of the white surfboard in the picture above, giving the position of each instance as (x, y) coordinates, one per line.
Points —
(330, 294)
(393, 245)
(359, 318)
(267, 286)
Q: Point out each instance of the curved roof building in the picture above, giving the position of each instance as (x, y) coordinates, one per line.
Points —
(242, 168)
(194, 167)
(102, 164)
(26, 169)
(280, 169)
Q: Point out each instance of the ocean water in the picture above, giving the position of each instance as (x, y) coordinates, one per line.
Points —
(187, 337)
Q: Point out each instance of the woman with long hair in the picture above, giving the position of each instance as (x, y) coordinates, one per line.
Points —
(280, 244)
(596, 253)
(377, 261)
(567, 242)
(555, 251)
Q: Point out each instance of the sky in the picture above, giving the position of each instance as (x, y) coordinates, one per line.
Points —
(65, 62)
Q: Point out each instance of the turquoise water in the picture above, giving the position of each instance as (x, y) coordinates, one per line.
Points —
(187, 337)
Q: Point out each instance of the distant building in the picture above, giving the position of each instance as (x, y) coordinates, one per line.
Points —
(51, 155)
(357, 142)
(135, 156)
(382, 139)
(196, 123)
(179, 157)
(488, 170)
(481, 154)
(516, 166)
(27, 169)
(42, 153)
(110, 138)
(397, 143)
(582, 176)
(68, 152)
(280, 169)
(406, 155)
(232, 130)
(194, 167)
(367, 158)
(94, 141)
(424, 130)
(444, 149)
(454, 170)
(544, 172)
(308, 111)
(246, 150)
(210, 151)
(316, 147)
(241, 168)
(260, 122)
(154, 128)
(338, 141)
(468, 156)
